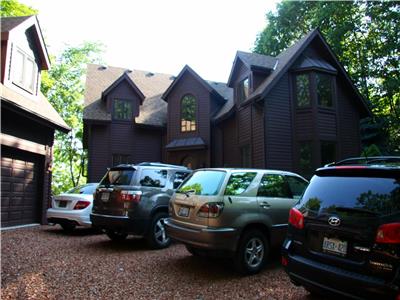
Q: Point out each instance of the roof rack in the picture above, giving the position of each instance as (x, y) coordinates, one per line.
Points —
(158, 164)
(371, 160)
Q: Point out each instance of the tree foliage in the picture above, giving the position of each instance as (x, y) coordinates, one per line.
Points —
(12, 8)
(365, 37)
(63, 85)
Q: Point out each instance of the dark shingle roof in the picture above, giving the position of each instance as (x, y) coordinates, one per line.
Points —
(257, 60)
(193, 142)
(153, 111)
(8, 23)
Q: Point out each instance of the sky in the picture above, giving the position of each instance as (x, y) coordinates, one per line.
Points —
(160, 36)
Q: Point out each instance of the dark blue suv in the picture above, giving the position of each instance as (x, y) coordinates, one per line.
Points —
(344, 234)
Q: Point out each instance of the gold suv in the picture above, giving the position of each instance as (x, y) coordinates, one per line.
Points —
(241, 213)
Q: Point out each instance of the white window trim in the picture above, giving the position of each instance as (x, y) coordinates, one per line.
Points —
(16, 74)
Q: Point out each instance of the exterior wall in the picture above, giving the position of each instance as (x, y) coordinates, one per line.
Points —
(258, 145)
(230, 151)
(99, 157)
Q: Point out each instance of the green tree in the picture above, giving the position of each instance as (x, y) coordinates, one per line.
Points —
(365, 37)
(12, 8)
(63, 85)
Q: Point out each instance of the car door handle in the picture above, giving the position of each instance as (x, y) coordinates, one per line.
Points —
(265, 204)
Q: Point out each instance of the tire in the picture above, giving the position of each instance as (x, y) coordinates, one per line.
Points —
(157, 237)
(68, 226)
(116, 236)
(252, 252)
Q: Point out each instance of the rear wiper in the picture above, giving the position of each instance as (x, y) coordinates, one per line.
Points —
(357, 210)
(187, 193)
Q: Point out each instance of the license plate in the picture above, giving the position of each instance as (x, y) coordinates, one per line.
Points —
(105, 197)
(183, 211)
(62, 204)
(334, 246)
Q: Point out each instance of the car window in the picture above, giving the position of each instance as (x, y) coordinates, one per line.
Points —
(274, 185)
(206, 183)
(118, 177)
(297, 186)
(83, 189)
(333, 193)
(239, 182)
(153, 178)
(179, 178)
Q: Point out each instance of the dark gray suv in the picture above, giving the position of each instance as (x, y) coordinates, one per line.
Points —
(133, 199)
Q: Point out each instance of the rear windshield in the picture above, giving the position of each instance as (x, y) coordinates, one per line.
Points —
(118, 177)
(380, 196)
(83, 189)
(206, 183)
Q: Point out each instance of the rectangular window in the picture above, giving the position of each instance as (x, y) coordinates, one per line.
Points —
(328, 152)
(239, 182)
(122, 110)
(243, 90)
(324, 89)
(245, 156)
(205, 183)
(305, 157)
(179, 177)
(274, 185)
(118, 159)
(25, 71)
(303, 97)
(153, 177)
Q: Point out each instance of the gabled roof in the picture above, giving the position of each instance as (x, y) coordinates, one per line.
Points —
(153, 111)
(11, 25)
(39, 107)
(286, 59)
(253, 61)
(208, 85)
(123, 77)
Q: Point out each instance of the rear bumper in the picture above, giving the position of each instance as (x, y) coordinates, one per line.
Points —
(80, 217)
(334, 280)
(206, 238)
(120, 223)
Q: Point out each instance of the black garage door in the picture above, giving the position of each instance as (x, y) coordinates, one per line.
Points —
(20, 193)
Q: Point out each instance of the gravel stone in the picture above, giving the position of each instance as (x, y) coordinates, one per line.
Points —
(43, 262)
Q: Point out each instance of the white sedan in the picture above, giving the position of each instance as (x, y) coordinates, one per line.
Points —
(72, 208)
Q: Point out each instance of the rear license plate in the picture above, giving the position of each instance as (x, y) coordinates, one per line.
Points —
(334, 246)
(105, 197)
(62, 204)
(183, 211)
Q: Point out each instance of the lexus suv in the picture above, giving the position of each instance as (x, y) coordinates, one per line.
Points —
(344, 235)
(133, 199)
(237, 213)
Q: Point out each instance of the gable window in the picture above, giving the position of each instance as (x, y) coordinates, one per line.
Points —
(324, 89)
(122, 110)
(188, 113)
(303, 96)
(25, 71)
(243, 90)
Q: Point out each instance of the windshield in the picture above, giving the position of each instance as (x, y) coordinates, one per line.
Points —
(83, 189)
(373, 195)
(205, 183)
(118, 177)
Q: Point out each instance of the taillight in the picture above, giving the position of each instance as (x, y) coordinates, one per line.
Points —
(210, 210)
(284, 261)
(388, 234)
(296, 218)
(81, 204)
(130, 196)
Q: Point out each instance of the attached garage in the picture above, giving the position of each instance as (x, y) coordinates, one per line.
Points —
(20, 187)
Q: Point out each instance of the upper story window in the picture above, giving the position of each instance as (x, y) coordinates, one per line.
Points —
(122, 110)
(25, 71)
(243, 90)
(303, 90)
(188, 113)
(324, 89)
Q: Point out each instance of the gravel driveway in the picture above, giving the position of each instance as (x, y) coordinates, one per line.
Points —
(45, 263)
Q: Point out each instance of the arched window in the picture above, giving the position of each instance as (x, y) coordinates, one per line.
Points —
(188, 113)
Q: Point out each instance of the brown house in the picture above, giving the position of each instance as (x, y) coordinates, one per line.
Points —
(28, 122)
(295, 112)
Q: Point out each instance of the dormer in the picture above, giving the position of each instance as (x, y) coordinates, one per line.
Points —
(23, 55)
(123, 98)
(249, 70)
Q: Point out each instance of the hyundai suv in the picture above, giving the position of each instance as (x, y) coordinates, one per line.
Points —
(133, 199)
(344, 235)
(238, 213)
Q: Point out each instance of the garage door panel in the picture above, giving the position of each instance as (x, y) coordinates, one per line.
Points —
(17, 187)
(5, 171)
(5, 187)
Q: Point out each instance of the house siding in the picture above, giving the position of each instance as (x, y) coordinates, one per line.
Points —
(99, 152)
